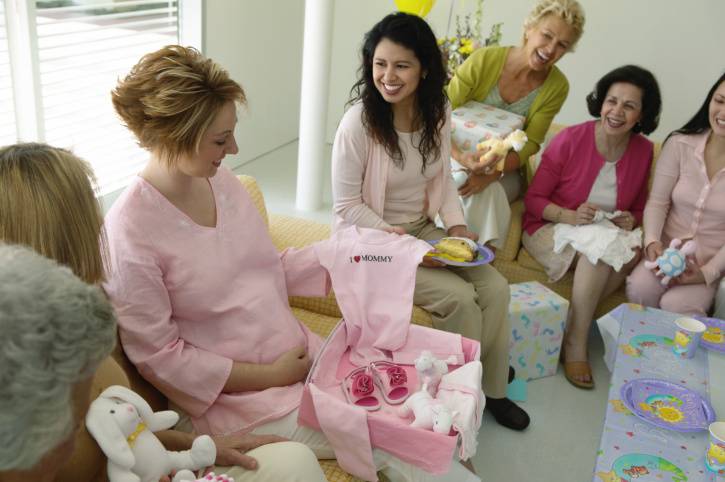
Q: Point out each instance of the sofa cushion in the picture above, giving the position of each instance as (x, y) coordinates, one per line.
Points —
(527, 261)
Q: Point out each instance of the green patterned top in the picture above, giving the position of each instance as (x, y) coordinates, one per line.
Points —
(520, 107)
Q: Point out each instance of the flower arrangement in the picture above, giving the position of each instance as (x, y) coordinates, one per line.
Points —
(468, 38)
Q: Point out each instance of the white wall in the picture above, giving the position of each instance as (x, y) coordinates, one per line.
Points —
(260, 43)
(682, 43)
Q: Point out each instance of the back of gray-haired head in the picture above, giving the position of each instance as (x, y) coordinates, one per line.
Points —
(54, 331)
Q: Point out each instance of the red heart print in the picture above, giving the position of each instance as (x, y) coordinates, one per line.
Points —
(356, 258)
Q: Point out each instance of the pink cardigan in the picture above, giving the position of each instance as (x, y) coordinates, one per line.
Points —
(569, 167)
(360, 171)
(684, 203)
(191, 300)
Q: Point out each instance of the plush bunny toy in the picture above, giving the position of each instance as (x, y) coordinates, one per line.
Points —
(500, 147)
(428, 412)
(430, 370)
(672, 262)
(123, 424)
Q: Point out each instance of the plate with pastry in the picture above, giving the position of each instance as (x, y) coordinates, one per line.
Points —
(456, 251)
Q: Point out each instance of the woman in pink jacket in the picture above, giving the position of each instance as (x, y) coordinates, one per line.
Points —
(688, 202)
(598, 165)
(200, 291)
(391, 170)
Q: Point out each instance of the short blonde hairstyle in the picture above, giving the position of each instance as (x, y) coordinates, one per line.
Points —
(170, 98)
(47, 202)
(570, 11)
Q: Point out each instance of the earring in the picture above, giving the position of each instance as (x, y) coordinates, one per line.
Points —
(424, 75)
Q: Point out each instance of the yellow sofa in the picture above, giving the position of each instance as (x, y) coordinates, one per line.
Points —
(518, 266)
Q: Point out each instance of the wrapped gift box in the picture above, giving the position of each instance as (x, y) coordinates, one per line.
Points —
(475, 122)
(538, 317)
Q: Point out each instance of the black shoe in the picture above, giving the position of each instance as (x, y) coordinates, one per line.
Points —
(512, 374)
(507, 413)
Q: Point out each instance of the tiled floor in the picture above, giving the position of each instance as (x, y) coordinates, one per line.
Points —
(562, 441)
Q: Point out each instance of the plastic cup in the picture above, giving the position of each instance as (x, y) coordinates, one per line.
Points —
(715, 455)
(687, 336)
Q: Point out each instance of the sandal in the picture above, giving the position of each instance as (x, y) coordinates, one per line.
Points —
(359, 389)
(574, 369)
(392, 381)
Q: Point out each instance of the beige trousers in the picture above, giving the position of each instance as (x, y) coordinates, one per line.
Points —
(472, 301)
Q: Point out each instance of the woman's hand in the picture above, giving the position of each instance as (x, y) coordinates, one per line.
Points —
(230, 449)
(654, 250)
(624, 221)
(477, 183)
(291, 366)
(692, 274)
(429, 262)
(461, 231)
(395, 229)
(585, 213)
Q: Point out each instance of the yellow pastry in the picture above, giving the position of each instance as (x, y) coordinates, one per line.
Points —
(458, 248)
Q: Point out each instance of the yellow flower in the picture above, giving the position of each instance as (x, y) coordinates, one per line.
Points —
(670, 414)
(466, 46)
(645, 407)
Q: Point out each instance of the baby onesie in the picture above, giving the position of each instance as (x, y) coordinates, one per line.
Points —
(373, 276)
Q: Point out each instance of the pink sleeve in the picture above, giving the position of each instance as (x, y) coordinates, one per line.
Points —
(667, 173)
(349, 151)
(713, 269)
(547, 175)
(637, 208)
(451, 212)
(304, 275)
(191, 377)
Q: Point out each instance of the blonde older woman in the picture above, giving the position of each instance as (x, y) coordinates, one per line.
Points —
(523, 80)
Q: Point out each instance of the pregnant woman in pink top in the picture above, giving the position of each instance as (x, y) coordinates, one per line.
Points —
(200, 291)
(688, 202)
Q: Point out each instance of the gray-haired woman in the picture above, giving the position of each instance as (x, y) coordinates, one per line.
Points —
(56, 330)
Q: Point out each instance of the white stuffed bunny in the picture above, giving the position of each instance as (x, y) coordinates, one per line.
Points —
(429, 413)
(430, 371)
(123, 424)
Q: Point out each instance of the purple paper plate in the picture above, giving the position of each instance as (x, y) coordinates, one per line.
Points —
(483, 256)
(667, 405)
(714, 337)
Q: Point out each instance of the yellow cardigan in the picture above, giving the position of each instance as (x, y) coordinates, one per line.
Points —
(475, 78)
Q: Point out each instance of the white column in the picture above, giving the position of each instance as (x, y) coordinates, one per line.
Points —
(316, 56)
(23, 50)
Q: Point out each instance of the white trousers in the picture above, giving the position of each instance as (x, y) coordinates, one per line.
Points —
(488, 213)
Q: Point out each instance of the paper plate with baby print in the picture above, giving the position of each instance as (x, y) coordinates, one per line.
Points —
(714, 336)
(667, 405)
(483, 255)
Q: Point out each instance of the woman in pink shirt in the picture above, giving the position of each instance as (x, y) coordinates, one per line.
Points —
(688, 202)
(391, 170)
(598, 165)
(200, 291)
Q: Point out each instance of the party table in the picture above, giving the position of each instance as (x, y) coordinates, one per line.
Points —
(635, 449)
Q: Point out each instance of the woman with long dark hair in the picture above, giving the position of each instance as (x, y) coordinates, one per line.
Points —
(687, 201)
(391, 170)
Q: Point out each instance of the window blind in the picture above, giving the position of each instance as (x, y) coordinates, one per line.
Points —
(7, 105)
(84, 47)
